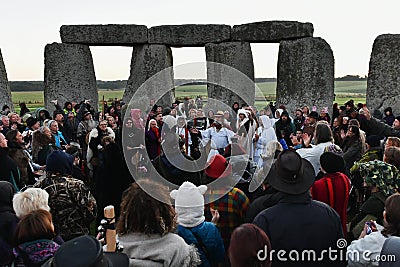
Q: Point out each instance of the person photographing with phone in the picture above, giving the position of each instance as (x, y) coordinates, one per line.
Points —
(365, 250)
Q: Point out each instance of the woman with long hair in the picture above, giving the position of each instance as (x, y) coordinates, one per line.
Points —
(352, 147)
(146, 228)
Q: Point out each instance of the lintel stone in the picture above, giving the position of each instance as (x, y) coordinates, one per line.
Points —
(189, 34)
(104, 35)
(271, 31)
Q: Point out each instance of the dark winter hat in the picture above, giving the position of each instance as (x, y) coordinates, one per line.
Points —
(285, 113)
(332, 162)
(373, 141)
(86, 113)
(218, 167)
(56, 112)
(291, 174)
(59, 162)
(31, 121)
(84, 251)
(7, 192)
(397, 118)
(313, 114)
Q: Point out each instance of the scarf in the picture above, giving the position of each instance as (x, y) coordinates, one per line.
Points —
(36, 251)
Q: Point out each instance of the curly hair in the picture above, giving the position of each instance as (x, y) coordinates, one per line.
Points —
(392, 156)
(392, 224)
(141, 212)
(393, 141)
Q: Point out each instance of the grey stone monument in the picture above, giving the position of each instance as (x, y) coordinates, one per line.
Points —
(151, 66)
(69, 75)
(189, 34)
(383, 86)
(230, 72)
(111, 34)
(271, 31)
(305, 74)
(5, 93)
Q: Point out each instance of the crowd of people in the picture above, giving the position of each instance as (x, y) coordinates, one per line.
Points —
(303, 180)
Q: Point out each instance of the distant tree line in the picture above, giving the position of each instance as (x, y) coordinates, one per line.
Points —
(352, 78)
(21, 86)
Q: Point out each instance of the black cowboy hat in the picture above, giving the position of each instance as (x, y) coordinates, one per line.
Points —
(291, 174)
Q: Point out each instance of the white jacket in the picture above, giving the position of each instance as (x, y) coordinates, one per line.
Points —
(313, 154)
(364, 251)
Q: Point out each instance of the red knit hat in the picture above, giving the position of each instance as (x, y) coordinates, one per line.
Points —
(218, 167)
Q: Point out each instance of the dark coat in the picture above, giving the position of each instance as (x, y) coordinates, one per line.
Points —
(152, 144)
(113, 178)
(299, 223)
(174, 174)
(261, 203)
(9, 170)
(8, 222)
(22, 160)
(351, 153)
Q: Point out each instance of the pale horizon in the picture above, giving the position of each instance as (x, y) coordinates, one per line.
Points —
(349, 27)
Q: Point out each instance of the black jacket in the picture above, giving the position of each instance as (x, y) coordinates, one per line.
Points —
(299, 223)
(8, 222)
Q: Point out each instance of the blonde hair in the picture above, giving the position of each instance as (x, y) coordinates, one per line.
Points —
(30, 200)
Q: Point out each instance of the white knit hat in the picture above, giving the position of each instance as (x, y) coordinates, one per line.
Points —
(189, 204)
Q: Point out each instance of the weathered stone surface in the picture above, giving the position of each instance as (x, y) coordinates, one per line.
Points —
(230, 72)
(69, 74)
(5, 93)
(151, 67)
(383, 86)
(111, 34)
(189, 34)
(271, 31)
(305, 74)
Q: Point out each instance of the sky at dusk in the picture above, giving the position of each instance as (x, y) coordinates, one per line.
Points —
(350, 28)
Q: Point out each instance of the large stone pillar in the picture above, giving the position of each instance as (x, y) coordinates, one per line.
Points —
(305, 74)
(69, 75)
(230, 72)
(5, 93)
(383, 86)
(147, 61)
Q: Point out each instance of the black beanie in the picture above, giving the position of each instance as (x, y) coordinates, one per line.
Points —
(332, 162)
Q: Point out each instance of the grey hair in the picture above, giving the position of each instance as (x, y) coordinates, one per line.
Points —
(30, 200)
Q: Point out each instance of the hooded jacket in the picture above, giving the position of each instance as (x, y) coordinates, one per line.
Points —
(8, 222)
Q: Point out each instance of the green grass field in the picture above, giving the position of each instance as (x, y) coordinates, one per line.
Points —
(344, 90)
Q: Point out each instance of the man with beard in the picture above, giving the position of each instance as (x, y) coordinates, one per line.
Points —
(284, 127)
(218, 136)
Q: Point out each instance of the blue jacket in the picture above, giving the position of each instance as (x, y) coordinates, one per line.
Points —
(211, 239)
(58, 137)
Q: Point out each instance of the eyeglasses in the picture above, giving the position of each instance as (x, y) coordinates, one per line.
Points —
(103, 124)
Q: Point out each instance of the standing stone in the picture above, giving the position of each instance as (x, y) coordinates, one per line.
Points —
(151, 67)
(383, 86)
(305, 74)
(5, 92)
(271, 31)
(189, 34)
(111, 34)
(230, 72)
(69, 75)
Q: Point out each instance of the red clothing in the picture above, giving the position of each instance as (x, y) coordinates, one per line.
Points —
(333, 189)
